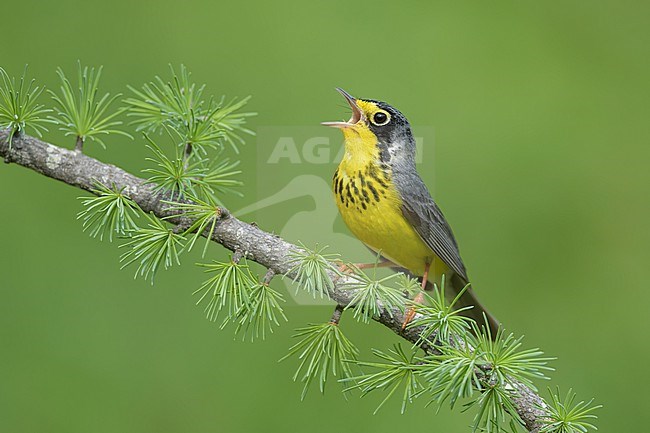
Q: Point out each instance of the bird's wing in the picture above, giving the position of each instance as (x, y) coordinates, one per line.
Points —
(427, 219)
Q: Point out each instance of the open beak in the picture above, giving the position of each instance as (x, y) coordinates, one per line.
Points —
(357, 114)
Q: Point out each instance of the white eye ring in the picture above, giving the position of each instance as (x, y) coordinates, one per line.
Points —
(384, 118)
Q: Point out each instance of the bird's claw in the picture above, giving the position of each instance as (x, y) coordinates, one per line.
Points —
(345, 268)
(410, 314)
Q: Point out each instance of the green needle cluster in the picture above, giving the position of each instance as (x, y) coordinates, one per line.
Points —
(152, 247)
(262, 313)
(175, 176)
(226, 291)
(372, 296)
(440, 319)
(565, 415)
(311, 270)
(110, 212)
(202, 123)
(82, 113)
(235, 294)
(397, 370)
(322, 350)
(19, 109)
(204, 215)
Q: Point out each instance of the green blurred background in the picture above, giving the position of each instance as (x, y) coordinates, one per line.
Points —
(540, 113)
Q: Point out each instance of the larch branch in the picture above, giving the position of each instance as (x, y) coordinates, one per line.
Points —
(269, 250)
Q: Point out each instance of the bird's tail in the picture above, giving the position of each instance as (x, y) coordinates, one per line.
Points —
(468, 299)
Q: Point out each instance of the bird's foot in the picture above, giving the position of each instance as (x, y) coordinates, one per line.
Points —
(351, 268)
(410, 313)
(345, 268)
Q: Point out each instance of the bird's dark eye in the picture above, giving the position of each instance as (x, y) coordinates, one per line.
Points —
(380, 118)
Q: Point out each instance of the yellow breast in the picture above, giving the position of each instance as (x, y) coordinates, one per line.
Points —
(371, 208)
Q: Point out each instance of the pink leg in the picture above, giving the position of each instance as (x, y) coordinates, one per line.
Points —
(348, 269)
(418, 298)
